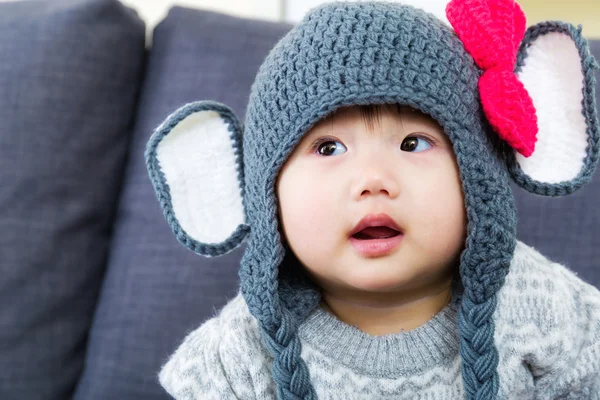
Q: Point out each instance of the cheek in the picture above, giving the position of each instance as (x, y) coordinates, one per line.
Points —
(307, 213)
(443, 208)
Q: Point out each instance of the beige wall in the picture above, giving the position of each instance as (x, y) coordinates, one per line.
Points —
(584, 12)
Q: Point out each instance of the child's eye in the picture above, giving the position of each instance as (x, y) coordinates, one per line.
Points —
(330, 147)
(415, 144)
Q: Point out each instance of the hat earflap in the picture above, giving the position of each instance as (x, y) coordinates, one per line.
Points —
(194, 159)
(556, 67)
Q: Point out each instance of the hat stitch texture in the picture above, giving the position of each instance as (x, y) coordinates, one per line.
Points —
(372, 53)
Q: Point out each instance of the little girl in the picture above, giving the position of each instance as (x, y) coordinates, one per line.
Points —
(371, 182)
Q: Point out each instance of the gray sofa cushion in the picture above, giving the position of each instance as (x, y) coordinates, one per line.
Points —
(155, 289)
(69, 78)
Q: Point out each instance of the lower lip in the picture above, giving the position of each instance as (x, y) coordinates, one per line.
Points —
(376, 247)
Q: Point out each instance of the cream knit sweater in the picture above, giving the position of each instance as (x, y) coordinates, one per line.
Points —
(547, 335)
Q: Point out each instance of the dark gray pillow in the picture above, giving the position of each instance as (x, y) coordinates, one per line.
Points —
(156, 290)
(566, 229)
(69, 77)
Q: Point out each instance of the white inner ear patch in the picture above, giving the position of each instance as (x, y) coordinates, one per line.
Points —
(553, 77)
(198, 161)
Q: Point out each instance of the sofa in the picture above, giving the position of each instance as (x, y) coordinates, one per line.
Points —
(95, 291)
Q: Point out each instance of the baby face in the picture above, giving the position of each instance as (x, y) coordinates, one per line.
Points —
(374, 207)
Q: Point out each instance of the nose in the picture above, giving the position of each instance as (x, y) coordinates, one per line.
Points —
(375, 180)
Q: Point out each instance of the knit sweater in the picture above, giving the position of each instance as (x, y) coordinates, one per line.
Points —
(547, 332)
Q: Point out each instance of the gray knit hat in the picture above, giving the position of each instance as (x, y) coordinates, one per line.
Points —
(215, 179)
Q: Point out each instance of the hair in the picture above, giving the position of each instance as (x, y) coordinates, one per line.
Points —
(371, 113)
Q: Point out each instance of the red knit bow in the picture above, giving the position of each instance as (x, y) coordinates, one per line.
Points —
(491, 31)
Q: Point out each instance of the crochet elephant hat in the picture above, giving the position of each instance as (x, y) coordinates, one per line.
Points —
(516, 104)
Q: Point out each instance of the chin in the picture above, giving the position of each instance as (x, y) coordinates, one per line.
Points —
(377, 283)
(381, 288)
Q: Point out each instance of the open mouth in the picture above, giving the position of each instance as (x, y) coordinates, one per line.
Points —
(376, 232)
(376, 241)
(376, 235)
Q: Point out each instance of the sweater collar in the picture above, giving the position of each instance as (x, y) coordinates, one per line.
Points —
(399, 354)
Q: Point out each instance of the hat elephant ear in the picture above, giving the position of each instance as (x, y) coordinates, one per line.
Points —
(194, 159)
(555, 66)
